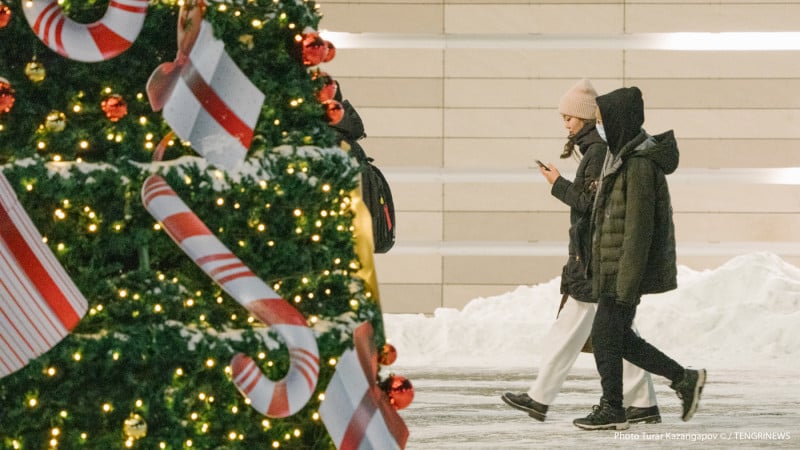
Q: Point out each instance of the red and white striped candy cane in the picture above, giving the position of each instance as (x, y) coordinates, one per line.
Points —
(108, 37)
(272, 398)
(39, 302)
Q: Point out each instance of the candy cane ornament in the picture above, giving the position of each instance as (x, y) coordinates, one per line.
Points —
(108, 37)
(271, 398)
(39, 302)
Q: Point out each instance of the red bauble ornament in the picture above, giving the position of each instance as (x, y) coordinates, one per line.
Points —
(388, 355)
(115, 107)
(314, 49)
(334, 111)
(399, 390)
(6, 96)
(5, 15)
(331, 52)
(328, 90)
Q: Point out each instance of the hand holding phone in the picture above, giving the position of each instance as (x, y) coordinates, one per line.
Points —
(542, 165)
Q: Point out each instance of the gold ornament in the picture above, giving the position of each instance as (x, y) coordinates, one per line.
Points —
(35, 72)
(134, 427)
(55, 121)
(247, 41)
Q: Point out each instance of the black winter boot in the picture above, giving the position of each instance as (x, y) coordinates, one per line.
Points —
(689, 389)
(603, 417)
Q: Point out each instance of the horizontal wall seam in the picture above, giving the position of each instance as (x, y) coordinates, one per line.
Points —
(680, 41)
(782, 175)
(558, 248)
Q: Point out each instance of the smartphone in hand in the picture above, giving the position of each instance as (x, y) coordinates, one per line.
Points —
(542, 165)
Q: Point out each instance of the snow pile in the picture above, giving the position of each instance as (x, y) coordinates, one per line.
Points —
(746, 313)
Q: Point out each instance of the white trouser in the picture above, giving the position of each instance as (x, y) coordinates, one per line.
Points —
(563, 344)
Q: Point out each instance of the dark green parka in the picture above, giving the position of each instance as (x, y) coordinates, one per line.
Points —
(579, 196)
(634, 236)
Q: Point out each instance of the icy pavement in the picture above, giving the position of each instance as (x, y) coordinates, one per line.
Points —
(461, 409)
(739, 321)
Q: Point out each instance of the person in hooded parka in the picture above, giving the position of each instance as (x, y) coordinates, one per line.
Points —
(633, 254)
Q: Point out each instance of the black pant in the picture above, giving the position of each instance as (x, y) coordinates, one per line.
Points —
(613, 340)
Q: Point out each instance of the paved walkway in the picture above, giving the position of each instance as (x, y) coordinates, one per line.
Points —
(461, 409)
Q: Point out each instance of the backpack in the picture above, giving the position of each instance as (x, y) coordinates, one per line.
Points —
(378, 197)
(375, 189)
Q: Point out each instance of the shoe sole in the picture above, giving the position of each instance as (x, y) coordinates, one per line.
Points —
(608, 426)
(531, 412)
(646, 420)
(698, 389)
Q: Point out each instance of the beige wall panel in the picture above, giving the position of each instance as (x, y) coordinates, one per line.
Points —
(402, 122)
(489, 93)
(458, 295)
(727, 196)
(525, 63)
(514, 93)
(504, 18)
(371, 17)
(739, 153)
(488, 152)
(409, 298)
(533, 2)
(507, 153)
(510, 270)
(397, 92)
(719, 93)
(724, 123)
(679, 2)
(416, 196)
(711, 17)
(396, 268)
(404, 151)
(418, 226)
(387, 63)
(725, 227)
(390, 2)
(712, 64)
(506, 197)
(492, 123)
(714, 261)
(507, 226)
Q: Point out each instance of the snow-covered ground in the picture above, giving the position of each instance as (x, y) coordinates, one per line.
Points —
(740, 321)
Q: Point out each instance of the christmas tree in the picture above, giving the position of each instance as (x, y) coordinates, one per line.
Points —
(149, 364)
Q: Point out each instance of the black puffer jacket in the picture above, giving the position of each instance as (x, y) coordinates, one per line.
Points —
(579, 196)
(633, 248)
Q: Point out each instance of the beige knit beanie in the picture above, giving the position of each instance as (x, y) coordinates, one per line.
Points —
(579, 101)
